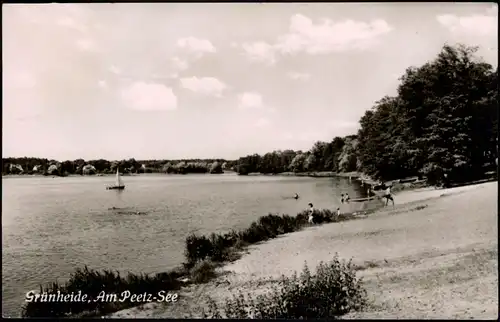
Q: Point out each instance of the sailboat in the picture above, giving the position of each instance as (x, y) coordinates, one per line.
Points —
(119, 184)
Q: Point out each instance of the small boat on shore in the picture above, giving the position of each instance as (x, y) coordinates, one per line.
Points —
(119, 184)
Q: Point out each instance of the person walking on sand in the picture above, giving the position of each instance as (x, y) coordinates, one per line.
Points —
(388, 196)
(311, 213)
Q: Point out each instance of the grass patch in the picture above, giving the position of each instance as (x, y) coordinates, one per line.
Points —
(331, 292)
(221, 247)
(203, 272)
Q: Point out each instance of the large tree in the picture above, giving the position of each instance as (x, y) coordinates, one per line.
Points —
(443, 121)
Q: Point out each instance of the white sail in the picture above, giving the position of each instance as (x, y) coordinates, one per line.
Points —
(119, 182)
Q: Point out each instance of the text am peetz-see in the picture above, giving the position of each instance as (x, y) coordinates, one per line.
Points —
(102, 297)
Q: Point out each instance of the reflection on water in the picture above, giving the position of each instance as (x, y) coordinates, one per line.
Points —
(52, 226)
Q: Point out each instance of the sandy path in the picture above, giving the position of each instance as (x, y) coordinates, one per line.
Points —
(434, 255)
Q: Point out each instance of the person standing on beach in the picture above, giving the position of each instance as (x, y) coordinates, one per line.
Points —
(388, 196)
(311, 213)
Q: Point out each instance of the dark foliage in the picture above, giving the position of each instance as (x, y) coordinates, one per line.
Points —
(220, 247)
(443, 122)
(41, 166)
(331, 292)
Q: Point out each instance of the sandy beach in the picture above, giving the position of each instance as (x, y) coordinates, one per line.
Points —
(433, 255)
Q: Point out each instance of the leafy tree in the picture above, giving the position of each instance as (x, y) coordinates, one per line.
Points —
(310, 162)
(216, 167)
(443, 121)
(297, 164)
(348, 158)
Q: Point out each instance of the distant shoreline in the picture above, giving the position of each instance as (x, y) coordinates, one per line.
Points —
(312, 174)
(315, 174)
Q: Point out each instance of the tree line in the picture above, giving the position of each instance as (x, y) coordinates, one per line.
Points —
(443, 123)
(28, 165)
(337, 155)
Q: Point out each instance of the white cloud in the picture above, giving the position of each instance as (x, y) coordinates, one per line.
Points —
(115, 70)
(329, 36)
(260, 51)
(177, 65)
(250, 100)
(324, 37)
(299, 76)
(196, 45)
(180, 64)
(262, 122)
(204, 85)
(477, 24)
(149, 96)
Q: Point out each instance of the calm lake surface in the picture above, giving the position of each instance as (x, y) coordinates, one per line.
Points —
(51, 226)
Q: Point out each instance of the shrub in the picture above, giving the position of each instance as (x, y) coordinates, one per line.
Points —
(331, 292)
(197, 248)
(203, 272)
(220, 247)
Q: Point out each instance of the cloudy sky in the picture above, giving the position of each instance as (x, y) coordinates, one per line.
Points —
(211, 80)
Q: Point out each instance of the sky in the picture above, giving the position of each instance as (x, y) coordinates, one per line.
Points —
(212, 80)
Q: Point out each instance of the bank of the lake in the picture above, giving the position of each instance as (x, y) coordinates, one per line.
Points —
(320, 174)
(313, 174)
(415, 259)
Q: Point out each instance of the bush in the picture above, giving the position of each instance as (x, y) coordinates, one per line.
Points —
(220, 247)
(197, 248)
(203, 272)
(330, 293)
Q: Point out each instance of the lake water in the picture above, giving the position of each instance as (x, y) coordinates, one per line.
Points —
(51, 226)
